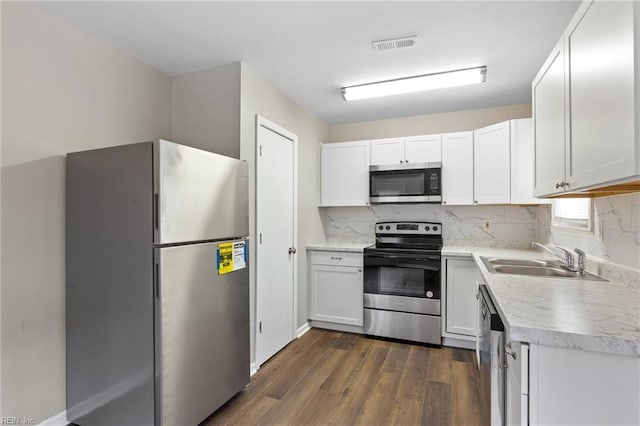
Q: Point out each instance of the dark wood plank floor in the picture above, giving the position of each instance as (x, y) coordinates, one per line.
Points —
(332, 378)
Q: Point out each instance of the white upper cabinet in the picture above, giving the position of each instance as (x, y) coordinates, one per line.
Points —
(584, 102)
(423, 149)
(491, 164)
(345, 174)
(600, 93)
(414, 149)
(457, 168)
(549, 123)
(522, 163)
(387, 151)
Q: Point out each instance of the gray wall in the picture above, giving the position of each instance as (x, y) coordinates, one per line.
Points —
(62, 91)
(206, 109)
(260, 96)
(223, 102)
(458, 121)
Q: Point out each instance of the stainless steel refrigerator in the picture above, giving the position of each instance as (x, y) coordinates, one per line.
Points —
(157, 287)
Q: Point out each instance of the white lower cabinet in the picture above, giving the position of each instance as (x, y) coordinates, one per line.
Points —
(548, 385)
(336, 291)
(517, 384)
(461, 305)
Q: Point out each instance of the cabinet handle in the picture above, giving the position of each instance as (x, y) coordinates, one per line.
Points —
(359, 270)
(475, 202)
(444, 202)
(561, 184)
(509, 351)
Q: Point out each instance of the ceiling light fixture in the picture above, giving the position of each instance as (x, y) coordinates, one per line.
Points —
(416, 83)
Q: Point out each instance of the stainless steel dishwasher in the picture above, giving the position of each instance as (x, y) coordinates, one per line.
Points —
(492, 361)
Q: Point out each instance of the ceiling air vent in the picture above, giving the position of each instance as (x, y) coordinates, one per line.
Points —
(393, 44)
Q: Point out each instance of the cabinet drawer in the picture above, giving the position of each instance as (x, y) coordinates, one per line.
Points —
(337, 258)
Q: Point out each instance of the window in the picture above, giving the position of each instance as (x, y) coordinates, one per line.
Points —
(572, 213)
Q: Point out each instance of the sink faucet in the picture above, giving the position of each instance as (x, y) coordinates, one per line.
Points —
(581, 257)
(566, 255)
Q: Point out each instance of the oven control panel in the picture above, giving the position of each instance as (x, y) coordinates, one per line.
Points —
(413, 228)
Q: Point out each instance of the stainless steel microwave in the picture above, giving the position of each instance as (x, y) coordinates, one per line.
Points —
(405, 183)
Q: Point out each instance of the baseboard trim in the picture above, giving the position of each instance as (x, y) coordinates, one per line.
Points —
(337, 327)
(59, 419)
(303, 329)
(253, 369)
(458, 343)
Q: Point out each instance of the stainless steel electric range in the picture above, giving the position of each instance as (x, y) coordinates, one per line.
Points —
(402, 282)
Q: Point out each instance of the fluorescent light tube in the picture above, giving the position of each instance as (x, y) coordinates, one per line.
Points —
(415, 84)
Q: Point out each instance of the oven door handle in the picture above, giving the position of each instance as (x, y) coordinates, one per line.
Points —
(416, 266)
(403, 257)
(423, 263)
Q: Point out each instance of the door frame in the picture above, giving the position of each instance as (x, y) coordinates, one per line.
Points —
(269, 125)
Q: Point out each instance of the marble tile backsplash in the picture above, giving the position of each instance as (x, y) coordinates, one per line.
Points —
(616, 236)
(510, 226)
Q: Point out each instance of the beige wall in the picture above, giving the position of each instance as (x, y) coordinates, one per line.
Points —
(259, 96)
(62, 91)
(458, 121)
(206, 109)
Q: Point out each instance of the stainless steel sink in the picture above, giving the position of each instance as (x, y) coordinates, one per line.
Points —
(522, 262)
(535, 270)
(533, 267)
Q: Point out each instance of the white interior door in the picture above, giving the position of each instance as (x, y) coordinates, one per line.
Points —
(276, 236)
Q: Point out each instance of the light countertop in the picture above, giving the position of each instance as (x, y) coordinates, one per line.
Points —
(573, 313)
(357, 247)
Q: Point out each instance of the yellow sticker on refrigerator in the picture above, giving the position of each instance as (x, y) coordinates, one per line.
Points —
(231, 256)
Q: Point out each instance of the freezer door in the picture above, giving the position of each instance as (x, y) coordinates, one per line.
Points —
(200, 195)
(204, 333)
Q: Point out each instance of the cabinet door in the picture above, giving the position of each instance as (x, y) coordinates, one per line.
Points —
(462, 305)
(336, 294)
(491, 164)
(600, 68)
(387, 151)
(345, 174)
(548, 124)
(457, 168)
(517, 385)
(423, 149)
(513, 401)
(522, 163)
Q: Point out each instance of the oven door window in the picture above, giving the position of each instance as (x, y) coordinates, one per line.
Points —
(402, 277)
(397, 182)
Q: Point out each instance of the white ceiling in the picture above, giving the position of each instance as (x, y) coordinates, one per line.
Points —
(311, 49)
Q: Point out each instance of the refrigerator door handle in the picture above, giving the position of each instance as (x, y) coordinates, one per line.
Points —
(156, 279)
(155, 211)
